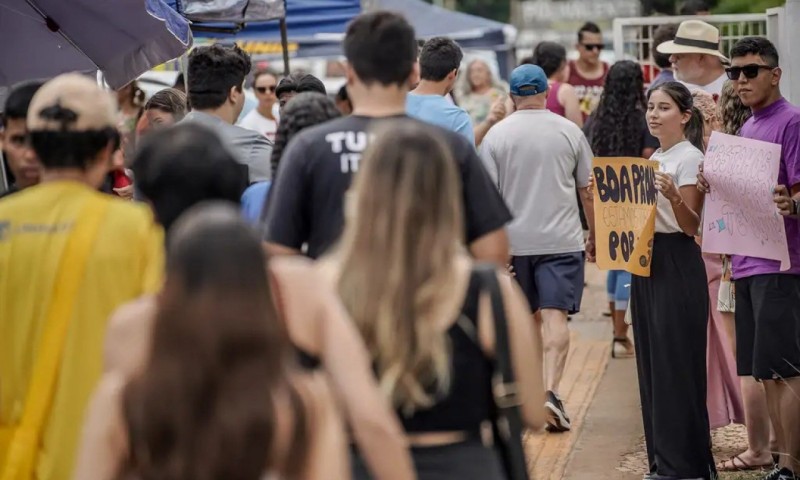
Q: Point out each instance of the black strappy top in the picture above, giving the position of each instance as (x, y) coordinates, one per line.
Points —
(469, 401)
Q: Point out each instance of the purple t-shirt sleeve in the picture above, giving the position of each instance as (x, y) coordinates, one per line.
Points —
(791, 154)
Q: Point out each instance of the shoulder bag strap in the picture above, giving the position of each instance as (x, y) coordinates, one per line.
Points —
(20, 460)
(507, 424)
(504, 387)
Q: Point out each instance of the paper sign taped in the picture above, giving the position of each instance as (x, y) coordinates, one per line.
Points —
(625, 199)
(740, 217)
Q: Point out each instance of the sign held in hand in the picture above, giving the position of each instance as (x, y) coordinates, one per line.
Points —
(739, 216)
(625, 199)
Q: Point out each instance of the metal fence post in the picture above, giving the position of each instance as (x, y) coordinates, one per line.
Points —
(789, 39)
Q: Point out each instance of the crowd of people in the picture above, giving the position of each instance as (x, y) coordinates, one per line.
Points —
(378, 284)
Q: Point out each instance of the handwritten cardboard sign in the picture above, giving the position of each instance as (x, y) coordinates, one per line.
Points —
(739, 216)
(625, 199)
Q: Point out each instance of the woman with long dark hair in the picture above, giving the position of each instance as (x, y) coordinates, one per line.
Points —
(220, 395)
(404, 275)
(618, 129)
(670, 307)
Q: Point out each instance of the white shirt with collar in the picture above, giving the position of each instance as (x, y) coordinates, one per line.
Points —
(714, 88)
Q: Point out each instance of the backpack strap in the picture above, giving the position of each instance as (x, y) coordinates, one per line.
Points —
(23, 449)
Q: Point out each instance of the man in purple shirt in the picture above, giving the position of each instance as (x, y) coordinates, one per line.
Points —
(768, 300)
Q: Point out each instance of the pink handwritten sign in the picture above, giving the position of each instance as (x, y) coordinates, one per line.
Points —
(740, 217)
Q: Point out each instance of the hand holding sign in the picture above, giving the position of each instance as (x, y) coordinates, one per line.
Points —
(783, 200)
(702, 183)
(666, 185)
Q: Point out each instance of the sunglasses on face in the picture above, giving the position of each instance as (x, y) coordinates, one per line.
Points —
(593, 46)
(264, 89)
(750, 71)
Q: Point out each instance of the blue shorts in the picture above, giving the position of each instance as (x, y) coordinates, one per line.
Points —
(551, 281)
(618, 286)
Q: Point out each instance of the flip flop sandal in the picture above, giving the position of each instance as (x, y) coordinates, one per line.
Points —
(741, 467)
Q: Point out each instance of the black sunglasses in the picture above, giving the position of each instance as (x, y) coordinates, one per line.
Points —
(264, 89)
(750, 71)
(593, 46)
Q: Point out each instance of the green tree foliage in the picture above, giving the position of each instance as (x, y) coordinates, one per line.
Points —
(746, 6)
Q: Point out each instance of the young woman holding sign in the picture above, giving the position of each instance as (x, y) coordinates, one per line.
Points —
(670, 307)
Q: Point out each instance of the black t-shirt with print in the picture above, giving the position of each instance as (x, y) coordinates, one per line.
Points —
(306, 203)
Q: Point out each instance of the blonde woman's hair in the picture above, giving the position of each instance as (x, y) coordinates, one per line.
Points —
(732, 111)
(397, 259)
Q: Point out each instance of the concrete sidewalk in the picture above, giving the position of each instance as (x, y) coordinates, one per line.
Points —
(602, 398)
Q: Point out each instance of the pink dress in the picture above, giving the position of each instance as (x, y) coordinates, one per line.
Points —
(724, 398)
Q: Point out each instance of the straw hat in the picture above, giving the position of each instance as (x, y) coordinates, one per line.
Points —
(694, 36)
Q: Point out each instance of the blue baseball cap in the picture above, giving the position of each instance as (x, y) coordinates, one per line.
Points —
(527, 80)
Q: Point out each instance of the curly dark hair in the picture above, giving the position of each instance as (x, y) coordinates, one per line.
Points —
(305, 110)
(732, 111)
(616, 129)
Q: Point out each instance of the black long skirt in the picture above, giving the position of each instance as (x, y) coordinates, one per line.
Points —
(670, 324)
(469, 460)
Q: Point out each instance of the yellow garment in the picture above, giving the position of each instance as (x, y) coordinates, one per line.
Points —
(126, 262)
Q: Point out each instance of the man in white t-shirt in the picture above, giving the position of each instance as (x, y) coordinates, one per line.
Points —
(536, 159)
(695, 57)
(261, 119)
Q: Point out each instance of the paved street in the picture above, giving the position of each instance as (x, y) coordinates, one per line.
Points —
(602, 397)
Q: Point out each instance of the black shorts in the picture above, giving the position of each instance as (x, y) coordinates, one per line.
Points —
(768, 326)
(551, 281)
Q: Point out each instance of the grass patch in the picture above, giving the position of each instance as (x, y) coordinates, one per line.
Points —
(756, 475)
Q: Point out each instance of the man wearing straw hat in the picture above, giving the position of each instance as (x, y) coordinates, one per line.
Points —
(695, 57)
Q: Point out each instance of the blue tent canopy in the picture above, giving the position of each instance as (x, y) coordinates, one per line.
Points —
(316, 27)
(306, 21)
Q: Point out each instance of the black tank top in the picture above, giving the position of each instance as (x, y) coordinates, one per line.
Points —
(469, 401)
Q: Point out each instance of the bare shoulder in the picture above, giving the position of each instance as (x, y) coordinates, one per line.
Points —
(129, 316)
(128, 334)
(567, 89)
(109, 390)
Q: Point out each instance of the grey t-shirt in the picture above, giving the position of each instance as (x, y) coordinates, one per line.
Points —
(534, 158)
(250, 148)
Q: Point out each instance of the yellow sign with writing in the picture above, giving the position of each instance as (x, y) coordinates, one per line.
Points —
(256, 47)
(625, 199)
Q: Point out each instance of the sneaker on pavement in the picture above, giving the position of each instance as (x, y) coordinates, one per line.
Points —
(781, 474)
(557, 420)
